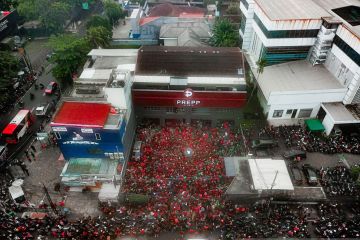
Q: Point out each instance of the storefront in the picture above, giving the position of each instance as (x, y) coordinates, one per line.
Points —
(189, 85)
(168, 107)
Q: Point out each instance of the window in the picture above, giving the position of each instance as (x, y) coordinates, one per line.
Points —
(57, 135)
(289, 111)
(97, 136)
(305, 113)
(278, 113)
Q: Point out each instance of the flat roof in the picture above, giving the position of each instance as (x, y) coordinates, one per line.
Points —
(296, 76)
(91, 74)
(113, 52)
(270, 174)
(189, 61)
(86, 114)
(330, 5)
(292, 9)
(339, 113)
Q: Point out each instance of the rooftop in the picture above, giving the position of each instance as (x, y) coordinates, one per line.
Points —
(173, 30)
(171, 10)
(113, 52)
(297, 76)
(340, 113)
(333, 6)
(292, 9)
(269, 174)
(189, 61)
(86, 114)
(93, 166)
(92, 75)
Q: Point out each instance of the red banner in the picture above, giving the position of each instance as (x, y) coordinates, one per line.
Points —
(189, 98)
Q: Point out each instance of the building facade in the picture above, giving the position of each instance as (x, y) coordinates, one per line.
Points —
(322, 32)
(189, 85)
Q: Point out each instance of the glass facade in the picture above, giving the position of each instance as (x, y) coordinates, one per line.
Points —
(284, 54)
(349, 51)
(310, 33)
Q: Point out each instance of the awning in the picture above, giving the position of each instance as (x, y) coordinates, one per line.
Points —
(314, 125)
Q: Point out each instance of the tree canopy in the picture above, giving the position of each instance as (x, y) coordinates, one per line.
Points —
(98, 21)
(98, 36)
(113, 11)
(8, 69)
(224, 34)
(52, 13)
(6, 5)
(69, 54)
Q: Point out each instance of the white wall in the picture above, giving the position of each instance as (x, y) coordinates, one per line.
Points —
(314, 106)
(248, 31)
(321, 96)
(328, 123)
(170, 42)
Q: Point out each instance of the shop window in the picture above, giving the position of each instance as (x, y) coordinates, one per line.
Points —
(97, 136)
(278, 113)
(57, 135)
(289, 111)
(305, 113)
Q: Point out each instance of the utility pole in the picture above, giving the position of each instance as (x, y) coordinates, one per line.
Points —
(52, 205)
(271, 188)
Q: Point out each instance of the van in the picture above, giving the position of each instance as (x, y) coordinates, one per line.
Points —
(137, 150)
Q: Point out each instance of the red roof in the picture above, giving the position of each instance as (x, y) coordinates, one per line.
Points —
(9, 129)
(170, 10)
(82, 114)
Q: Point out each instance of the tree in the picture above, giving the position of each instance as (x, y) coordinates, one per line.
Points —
(261, 64)
(31, 9)
(69, 54)
(98, 36)
(224, 34)
(6, 5)
(113, 11)
(55, 15)
(98, 21)
(8, 70)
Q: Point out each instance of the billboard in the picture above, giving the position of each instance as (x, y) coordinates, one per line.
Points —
(8, 24)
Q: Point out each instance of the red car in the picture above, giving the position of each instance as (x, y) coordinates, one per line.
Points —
(51, 88)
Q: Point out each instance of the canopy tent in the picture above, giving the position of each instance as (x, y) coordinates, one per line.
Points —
(314, 125)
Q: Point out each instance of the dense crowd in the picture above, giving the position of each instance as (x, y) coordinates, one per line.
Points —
(300, 137)
(181, 173)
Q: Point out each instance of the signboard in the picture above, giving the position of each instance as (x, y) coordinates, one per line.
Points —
(59, 129)
(8, 24)
(189, 98)
(87, 130)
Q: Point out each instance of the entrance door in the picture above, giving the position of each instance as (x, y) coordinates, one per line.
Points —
(293, 115)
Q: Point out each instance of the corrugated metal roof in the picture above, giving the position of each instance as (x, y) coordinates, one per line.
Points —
(87, 114)
(189, 61)
(292, 9)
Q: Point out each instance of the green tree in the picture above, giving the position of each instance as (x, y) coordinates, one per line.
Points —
(8, 70)
(224, 34)
(261, 64)
(98, 21)
(98, 36)
(55, 16)
(31, 9)
(6, 5)
(113, 11)
(69, 54)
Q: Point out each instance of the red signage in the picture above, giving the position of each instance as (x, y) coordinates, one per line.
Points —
(188, 98)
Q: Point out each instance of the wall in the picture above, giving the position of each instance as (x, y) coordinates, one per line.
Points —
(328, 124)
(246, 22)
(86, 145)
(170, 42)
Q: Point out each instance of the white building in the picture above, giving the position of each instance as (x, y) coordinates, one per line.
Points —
(325, 33)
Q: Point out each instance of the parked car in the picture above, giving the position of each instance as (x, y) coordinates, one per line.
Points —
(294, 154)
(50, 89)
(310, 174)
(263, 144)
(296, 173)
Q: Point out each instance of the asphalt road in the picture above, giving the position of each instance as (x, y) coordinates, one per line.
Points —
(30, 104)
